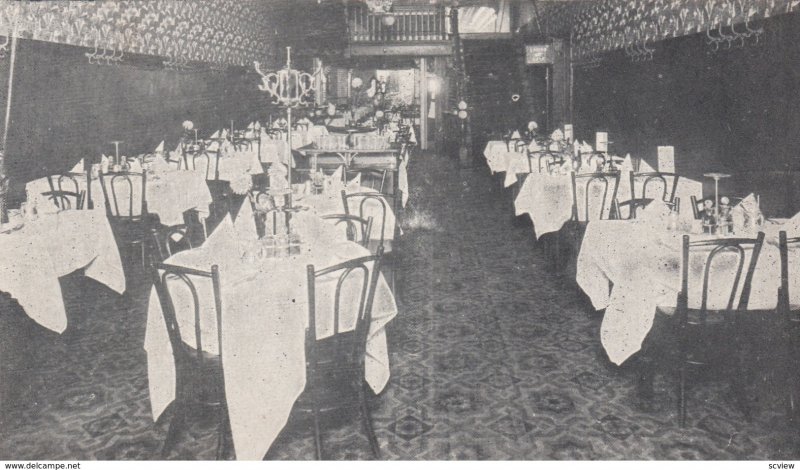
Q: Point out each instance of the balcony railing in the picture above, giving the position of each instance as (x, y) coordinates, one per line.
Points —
(410, 26)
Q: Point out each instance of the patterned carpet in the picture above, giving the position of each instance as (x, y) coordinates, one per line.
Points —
(492, 356)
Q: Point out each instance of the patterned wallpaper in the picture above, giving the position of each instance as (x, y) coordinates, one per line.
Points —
(231, 32)
(606, 25)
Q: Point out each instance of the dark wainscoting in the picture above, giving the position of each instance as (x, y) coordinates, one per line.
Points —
(65, 109)
(735, 110)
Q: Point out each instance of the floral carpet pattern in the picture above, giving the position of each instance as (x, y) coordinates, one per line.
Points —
(492, 357)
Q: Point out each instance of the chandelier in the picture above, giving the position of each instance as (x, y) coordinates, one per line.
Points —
(379, 6)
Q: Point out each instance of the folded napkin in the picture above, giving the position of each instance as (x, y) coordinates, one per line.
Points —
(532, 126)
(355, 182)
(104, 163)
(213, 146)
(337, 175)
(745, 214)
(215, 135)
(515, 135)
(223, 238)
(251, 126)
(534, 146)
(245, 223)
(557, 135)
(586, 148)
(78, 168)
(223, 134)
(159, 148)
(645, 167)
(135, 165)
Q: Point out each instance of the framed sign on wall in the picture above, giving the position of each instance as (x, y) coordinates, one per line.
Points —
(539, 54)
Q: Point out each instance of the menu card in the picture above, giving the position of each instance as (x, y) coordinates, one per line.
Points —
(568, 132)
(601, 142)
(666, 159)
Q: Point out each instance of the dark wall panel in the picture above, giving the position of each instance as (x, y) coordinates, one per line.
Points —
(735, 110)
(65, 109)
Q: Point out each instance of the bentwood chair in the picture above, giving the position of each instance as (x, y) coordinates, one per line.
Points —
(645, 180)
(632, 206)
(594, 208)
(358, 229)
(199, 378)
(125, 195)
(335, 365)
(381, 205)
(791, 317)
(704, 336)
(66, 193)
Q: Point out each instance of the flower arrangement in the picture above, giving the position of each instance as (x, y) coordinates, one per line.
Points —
(242, 184)
(188, 125)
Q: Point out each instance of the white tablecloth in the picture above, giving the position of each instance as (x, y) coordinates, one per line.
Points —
(265, 312)
(548, 198)
(169, 194)
(54, 245)
(500, 159)
(643, 262)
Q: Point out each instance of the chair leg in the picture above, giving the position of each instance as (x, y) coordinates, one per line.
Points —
(366, 419)
(178, 418)
(682, 397)
(317, 434)
(223, 428)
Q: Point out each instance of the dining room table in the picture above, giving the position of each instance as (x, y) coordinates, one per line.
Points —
(170, 192)
(390, 159)
(630, 267)
(265, 314)
(36, 251)
(547, 197)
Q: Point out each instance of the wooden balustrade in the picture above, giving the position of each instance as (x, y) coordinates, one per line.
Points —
(409, 26)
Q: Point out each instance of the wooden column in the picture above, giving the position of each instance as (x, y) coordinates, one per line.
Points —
(423, 103)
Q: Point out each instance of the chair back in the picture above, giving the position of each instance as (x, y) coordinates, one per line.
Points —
(189, 346)
(114, 186)
(713, 250)
(784, 299)
(358, 229)
(368, 197)
(168, 240)
(65, 190)
(634, 205)
(610, 184)
(646, 178)
(350, 347)
(543, 157)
